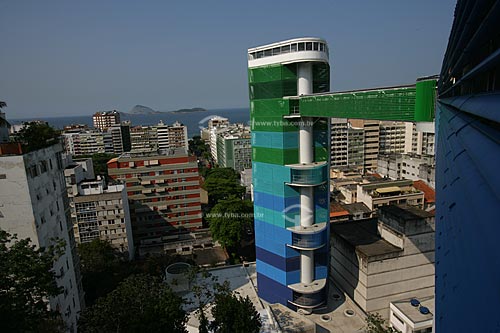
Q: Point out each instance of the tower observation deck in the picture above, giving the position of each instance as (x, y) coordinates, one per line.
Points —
(290, 104)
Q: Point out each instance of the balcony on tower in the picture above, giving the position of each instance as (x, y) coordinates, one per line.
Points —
(308, 238)
(308, 295)
(308, 174)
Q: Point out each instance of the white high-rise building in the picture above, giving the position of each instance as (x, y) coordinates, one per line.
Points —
(34, 204)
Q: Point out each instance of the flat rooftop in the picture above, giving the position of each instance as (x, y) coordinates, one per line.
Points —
(413, 313)
(331, 318)
(405, 212)
(362, 235)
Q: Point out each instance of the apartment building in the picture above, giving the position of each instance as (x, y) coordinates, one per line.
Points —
(163, 192)
(34, 205)
(143, 138)
(392, 137)
(172, 136)
(84, 143)
(371, 135)
(98, 210)
(234, 148)
(384, 260)
(104, 119)
(117, 139)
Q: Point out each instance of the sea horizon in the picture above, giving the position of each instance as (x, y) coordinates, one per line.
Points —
(193, 120)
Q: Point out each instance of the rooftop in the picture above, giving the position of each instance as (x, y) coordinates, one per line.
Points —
(357, 207)
(332, 318)
(412, 312)
(429, 193)
(405, 212)
(362, 234)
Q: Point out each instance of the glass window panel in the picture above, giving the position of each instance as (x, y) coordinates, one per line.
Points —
(293, 47)
(301, 46)
(315, 46)
(309, 46)
(285, 49)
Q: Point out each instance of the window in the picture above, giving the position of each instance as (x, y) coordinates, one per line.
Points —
(301, 46)
(309, 46)
(3, 176)
(33, 171)
(316, 46)
(43, 166)
(293, 47)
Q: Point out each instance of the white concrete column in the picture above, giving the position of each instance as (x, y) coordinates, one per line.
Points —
(306, 142)
(306, 266)
(304, 79)
(306, 206)
(306, 155)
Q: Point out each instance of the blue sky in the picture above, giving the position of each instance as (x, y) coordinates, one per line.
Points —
(62, 58)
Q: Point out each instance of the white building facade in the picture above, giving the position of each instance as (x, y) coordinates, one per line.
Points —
(34, 205)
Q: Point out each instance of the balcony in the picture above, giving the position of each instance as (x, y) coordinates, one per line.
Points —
(308, 295)
(308, 238)
(310, 174)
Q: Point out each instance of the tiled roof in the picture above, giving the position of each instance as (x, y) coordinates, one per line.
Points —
(429, 193)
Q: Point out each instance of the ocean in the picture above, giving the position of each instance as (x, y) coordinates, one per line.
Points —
(194, 121)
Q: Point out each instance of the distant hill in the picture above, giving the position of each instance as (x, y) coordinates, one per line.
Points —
(141, 109)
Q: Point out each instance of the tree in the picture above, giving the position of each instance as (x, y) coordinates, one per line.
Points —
(27, 281)
(197, 146)
(102, 268)
(376, 324)
(35, 135)
(100, 160)
(141, 303)
(222, 183)
(229, 219)
(2, 120)
(223, 173)
(234, 314)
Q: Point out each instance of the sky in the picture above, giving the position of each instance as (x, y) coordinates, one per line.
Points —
(65, 58)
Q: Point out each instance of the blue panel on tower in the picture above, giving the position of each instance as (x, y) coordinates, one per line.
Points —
(287, 264)
(278, 140)
(272, 291)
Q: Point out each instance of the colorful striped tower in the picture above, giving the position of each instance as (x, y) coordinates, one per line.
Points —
(290, 172)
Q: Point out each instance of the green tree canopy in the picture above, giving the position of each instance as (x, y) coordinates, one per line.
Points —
(376, 324)
(197, 146)
(27, 280)
(228, 220)
(102, 267)
(36, 136)
(100, 160)
(223, 173)
(141, 303)
(222, 183)
(234, 314)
